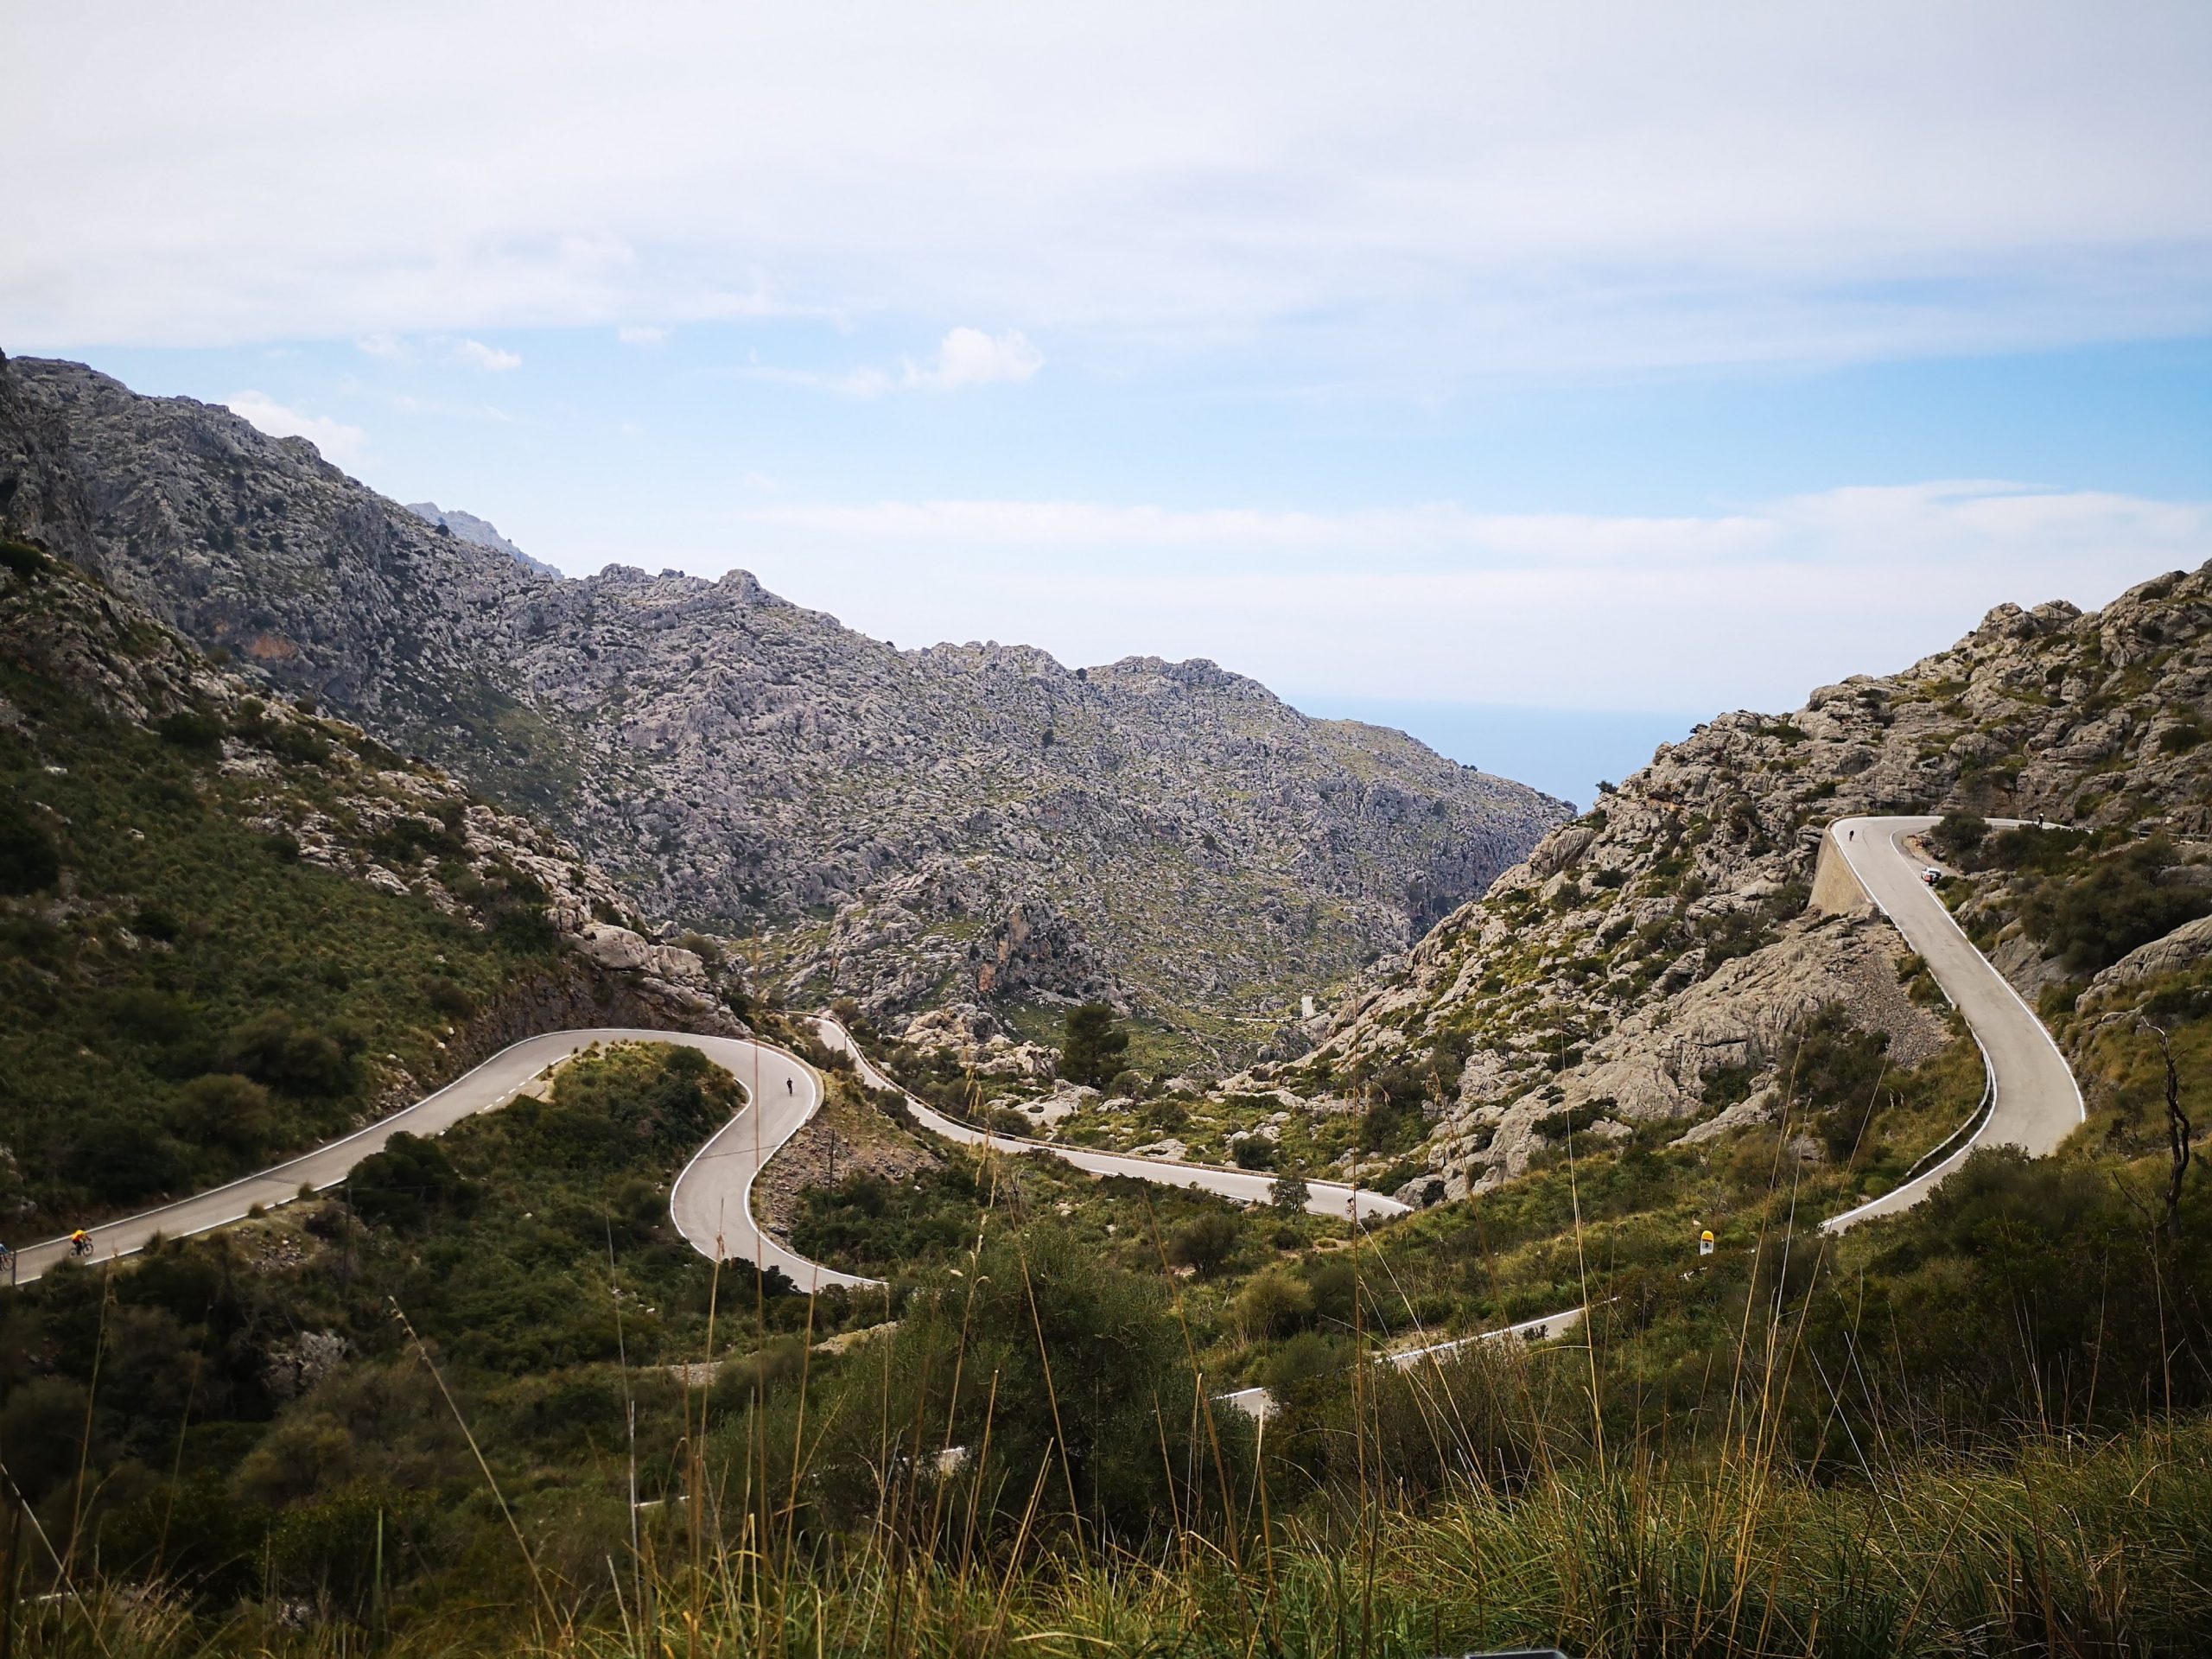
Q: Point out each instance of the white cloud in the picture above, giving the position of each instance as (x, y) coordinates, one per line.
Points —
(1749, 607)
(966, 357)
(636, 333)
(1595, 183)
(468, 354)
(477, 355)
(339, 443)
(969, 356)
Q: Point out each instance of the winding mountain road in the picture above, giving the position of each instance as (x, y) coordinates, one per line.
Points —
(711, 1201)
(1336, 1199)
(2033, 1101)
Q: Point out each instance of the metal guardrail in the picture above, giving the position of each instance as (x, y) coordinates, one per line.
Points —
(1966, 1131)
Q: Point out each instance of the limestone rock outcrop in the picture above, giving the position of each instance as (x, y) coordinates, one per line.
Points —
(1664, 940)
(902, 826)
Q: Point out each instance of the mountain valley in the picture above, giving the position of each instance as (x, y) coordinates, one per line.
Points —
(914, 826)
(1600, 1076)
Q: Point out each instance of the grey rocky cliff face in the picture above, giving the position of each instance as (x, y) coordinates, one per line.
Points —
(479, 531)
(1663, 940)
(918, 825)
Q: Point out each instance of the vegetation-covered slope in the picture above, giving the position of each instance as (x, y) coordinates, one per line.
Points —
(231, 926)
(964, 819)
(1793, 1445)
(1651, 962)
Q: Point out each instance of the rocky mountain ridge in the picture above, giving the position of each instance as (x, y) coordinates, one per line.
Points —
(1650, 962)
(482, 532)
(960, 821)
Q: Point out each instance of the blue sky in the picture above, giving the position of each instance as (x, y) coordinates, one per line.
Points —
(1427, 363)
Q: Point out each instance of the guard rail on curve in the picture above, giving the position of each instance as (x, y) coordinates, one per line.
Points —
(2031, 1100)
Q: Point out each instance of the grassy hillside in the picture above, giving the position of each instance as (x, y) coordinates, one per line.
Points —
(1958, 1428)
(229, 927)
(413, 1416)
(1982, 1423)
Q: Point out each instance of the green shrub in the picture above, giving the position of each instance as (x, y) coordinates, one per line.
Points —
(123, 1161)
(1574, 1120)
(405, 841)
(293, 741)
(409, 1182)
(1310, 1367)
(1274, 1304)
(224, 1108)
(29, 862)
(1204, 1242)
(1254, 1152)
(1959, 834)
(1091, 1044)
(155, 1018)
(872, 1225)
(2030, 847)
(22, 560)
(192, 728)
(1166, 1116)
(2091, 920)
(1080, 1369)
(276, 1049)
(152, 922)
(449, 998)
(525, 930)
(1832, 1068)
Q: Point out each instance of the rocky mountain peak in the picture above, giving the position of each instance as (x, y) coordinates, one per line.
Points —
(479, 531)
(962, 821)
(1661, 947)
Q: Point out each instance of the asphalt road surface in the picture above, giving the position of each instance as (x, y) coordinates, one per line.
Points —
(710, 1202)
(1332, 1198)
(2037, 1103)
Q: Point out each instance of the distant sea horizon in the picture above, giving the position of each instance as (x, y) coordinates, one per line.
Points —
(1562, 752)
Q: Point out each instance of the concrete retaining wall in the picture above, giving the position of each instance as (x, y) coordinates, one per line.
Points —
(1836, 891)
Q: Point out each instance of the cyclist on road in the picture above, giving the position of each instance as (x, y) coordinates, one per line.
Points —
(81, 1242)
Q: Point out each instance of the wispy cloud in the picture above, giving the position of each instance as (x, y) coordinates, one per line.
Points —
(644, 335)
(1746, 607)
(964, 358)
(969, 356)
(337, 441)
(445, 348)
(477, 355)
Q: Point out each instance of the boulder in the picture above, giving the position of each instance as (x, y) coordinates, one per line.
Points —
(2185, 948)
(617, 948)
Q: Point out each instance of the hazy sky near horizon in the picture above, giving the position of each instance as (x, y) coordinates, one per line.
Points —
(1601, 357)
